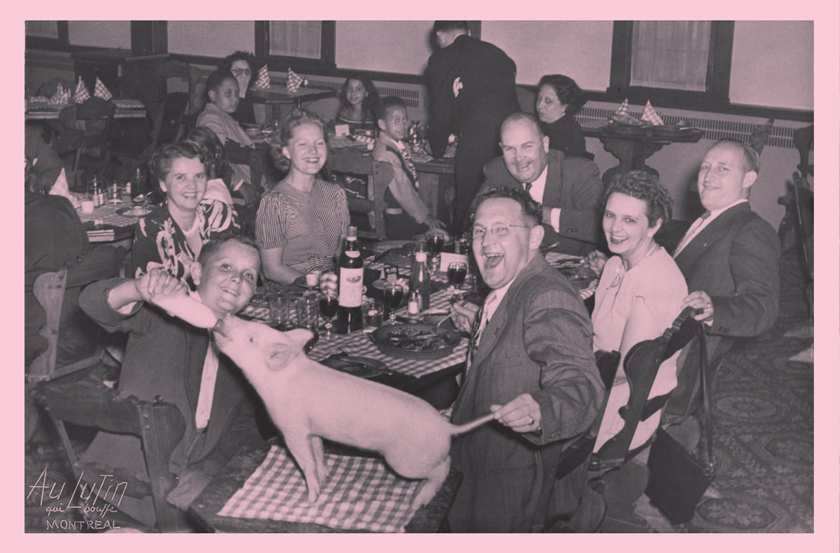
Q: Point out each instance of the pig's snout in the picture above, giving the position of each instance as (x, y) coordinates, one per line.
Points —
(219, 328)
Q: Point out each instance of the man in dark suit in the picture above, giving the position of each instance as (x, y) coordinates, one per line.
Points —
(570, 189)
(531, 363)
(730, 260)
(472, 88)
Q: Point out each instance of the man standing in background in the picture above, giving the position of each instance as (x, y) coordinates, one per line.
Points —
(472, 88)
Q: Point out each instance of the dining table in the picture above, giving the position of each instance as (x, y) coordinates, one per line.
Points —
(280, 95)
(112, 223)
(125, 108)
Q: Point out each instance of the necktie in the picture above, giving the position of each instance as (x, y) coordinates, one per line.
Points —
(691, 232)
(208, 387)
(408, 163)
(528, 186)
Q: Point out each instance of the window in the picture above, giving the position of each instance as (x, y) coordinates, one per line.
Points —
(672, 63)
(43, 34)
(301, 42)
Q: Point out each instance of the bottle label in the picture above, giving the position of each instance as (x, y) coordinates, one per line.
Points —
(350, 287)
(352, 253)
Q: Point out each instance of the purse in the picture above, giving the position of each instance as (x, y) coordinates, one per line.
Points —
(678, 479)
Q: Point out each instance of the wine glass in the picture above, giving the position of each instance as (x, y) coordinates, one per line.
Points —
(456, 272)
(329, 306)
(392, 294)
(435, 242)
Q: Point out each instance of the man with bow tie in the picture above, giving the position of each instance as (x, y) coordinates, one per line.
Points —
(730, 260)
(531, 362)
(569, 188)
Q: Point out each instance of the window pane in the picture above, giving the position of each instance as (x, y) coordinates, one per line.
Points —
(670, 54)
(46, 29)
(298, 39)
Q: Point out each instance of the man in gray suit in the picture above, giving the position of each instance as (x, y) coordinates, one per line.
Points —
(569, 188)
(531, 363)
(730, 260)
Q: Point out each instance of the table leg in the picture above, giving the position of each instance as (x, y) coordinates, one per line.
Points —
(631, 155)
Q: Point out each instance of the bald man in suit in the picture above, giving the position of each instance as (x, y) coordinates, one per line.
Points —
(730, 260)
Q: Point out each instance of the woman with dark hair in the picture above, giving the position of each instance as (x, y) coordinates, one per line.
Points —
(172, 235)
(640, 292)
(302, 221)
(222, 100)
(358, 103)
(242, 65)
(559, 98)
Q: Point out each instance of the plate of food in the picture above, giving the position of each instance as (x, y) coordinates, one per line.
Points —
(415, 341)
(380, 284)
(363, 367)
(401, 256)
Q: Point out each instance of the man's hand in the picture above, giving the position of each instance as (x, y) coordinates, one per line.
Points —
(158, 282)
(701, 301)
(595, 261)
(522, 414)
(464, 316)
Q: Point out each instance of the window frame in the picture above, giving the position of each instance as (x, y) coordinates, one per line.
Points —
(718, 70)
(281, 63)
(45, 43)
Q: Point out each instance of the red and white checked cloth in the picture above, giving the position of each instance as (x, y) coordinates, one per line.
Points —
(82, 93)
(100, 91)
(623, 109)
(262, 81)
(651, 116)
(60, 97)
(293, 81)
(360, 494)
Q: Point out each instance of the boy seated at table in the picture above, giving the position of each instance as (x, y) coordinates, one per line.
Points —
(406, 215)
(167, 357)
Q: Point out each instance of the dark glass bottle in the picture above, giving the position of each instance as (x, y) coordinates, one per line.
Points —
(421, 279)
(351, 269)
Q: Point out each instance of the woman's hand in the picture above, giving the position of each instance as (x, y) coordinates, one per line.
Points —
(595, 261)
(158, 282)
(464, 316)
(522, 414)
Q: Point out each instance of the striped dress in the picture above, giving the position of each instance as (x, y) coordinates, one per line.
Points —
(307, 226)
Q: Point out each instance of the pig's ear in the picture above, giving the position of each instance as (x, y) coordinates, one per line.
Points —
(281, 356)
(298, 336)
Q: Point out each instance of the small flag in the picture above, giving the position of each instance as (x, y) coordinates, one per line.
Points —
(623, 109)
(293, 81)
(82, 93)
(100, 91)
(262, 78)
(61, 96)
(651, 116)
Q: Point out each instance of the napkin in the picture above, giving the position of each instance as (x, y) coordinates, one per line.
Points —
(61, 96)
(650, 116)
(623, 109)
(60, 188)
(82, 93)
(262, 78)
(100, 91)
(293, 81)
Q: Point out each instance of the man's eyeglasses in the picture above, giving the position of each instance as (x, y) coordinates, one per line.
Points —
(240, 72)
(499, 230)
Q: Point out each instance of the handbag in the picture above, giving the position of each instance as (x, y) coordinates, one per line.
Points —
(678, 479)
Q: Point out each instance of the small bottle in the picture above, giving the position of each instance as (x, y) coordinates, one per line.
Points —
(97, 193)
(414, 304)
(421, 279)
(127, 189)
(351, 269)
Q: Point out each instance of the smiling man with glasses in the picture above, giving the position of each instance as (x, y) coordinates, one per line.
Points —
(531, 362)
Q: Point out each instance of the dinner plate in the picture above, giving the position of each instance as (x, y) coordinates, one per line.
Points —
(363, 367)
(301, 281)
(386, 245)
(128, 212)
(380, 284)
(382, 337)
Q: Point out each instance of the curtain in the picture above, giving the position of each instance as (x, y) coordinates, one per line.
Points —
(297, 39)
(670, 54)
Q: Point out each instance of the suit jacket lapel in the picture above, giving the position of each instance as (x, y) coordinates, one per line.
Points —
(709, 235)
(553, 179)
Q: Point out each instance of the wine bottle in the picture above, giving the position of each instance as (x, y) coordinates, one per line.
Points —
(351, 269)
(421, 279)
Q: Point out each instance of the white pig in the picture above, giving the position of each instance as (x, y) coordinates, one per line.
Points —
(308, 401)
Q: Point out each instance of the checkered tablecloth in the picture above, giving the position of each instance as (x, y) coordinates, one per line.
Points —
(107, 215)
(359, 344)
(360, 493)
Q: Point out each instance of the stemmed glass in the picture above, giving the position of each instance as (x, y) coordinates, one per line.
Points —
(435, 242)
(329, 306)
(456, 273)
(392, 294)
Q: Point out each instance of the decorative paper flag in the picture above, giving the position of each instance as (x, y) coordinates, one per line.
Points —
(651, 116)
(293, 81)
(61, 96)
(623, 109)
(82, 93)
(262, 78)
(100, 91)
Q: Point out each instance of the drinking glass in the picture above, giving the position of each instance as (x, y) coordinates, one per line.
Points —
(456, 272)
(329, 306)
(372, 312)
(307, 312)
(393, 296)
(280, 311)
(435, 242)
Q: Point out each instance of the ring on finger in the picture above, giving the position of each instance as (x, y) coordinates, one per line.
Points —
(531, 420)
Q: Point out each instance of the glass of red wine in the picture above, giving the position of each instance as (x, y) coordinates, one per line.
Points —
(435, 242)
(329, 306)
(456, 272)
(392, 295)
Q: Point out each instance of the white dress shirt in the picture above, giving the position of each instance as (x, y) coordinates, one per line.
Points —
(537, 192)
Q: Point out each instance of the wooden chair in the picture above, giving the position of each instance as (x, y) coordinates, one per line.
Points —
(378, 174)
(98, 115)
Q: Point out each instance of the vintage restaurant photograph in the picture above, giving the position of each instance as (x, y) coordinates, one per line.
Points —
(392, 276)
